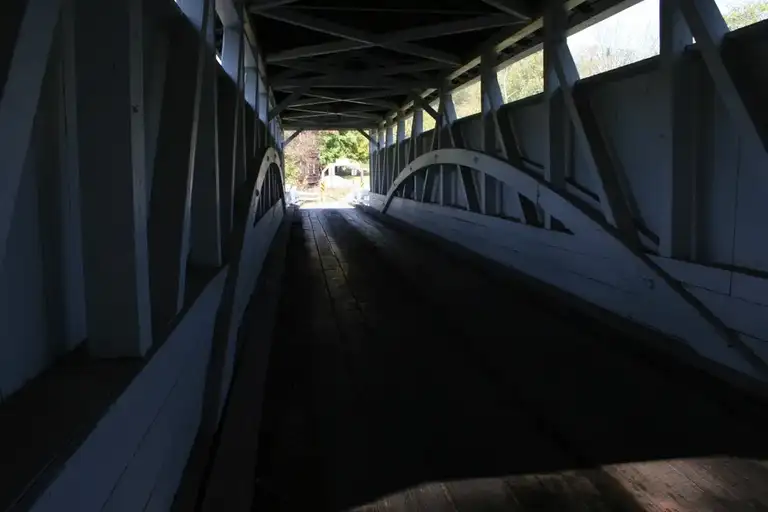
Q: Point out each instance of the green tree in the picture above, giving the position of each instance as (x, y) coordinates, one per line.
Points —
(467, 100)
(601, 59)
(747, 14)
(301, 157)
(523, 78)
(350, 144)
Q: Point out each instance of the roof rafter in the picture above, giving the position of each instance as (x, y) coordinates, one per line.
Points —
(298, 66)
(509, 7)
(348, 79)
(328, 97)
(295, 95)
(360, 124)
(263, 5)
(355, 115)
(315, 109)
(499, 41)
(358, 38)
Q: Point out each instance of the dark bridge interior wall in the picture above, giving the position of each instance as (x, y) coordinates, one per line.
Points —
(722, 257)
(132, 185)
(118, 247)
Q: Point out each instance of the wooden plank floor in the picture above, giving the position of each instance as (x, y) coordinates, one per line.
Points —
(401, 379)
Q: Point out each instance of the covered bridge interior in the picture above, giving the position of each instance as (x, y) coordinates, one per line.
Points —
(556, 303)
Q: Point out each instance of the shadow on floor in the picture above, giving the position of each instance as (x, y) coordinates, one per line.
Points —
(394, 367)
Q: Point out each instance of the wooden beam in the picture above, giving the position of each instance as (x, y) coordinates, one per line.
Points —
(680, 149)
(509, 7)
(112, 175)
(431, 174)
(257, 6)
(400, 150)
(359, 39)
(562, 68)
(417, 128)
(330, 97)
(455, 139)
(239, 147)
(707, 25)
(26, 64)
(293, 136)
(320, 109)
(330, 115)
(350, 80)
(287, 102)
(499, 42)
(426, 107)
(226, 107)
(170, 204)
(444, 136)
(362, 132)
(372, 158)
(325, 126)
(400, 37)
(331, 67)
(497, 135)
(205, 232)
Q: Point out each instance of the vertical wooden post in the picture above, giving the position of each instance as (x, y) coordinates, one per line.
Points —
(498, 137)
(676, 237)
(560, 76)
(171, 198)
(205, 246)
(417, 127)
(110, 112)
(23, 77)
(400, 150)
(389, 164)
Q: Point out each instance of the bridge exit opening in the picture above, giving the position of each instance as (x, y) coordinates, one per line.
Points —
(327, 169)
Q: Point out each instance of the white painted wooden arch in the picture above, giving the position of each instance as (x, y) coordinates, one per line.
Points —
(271, 158)
(249, 243)
(691, 322)
(252, 235)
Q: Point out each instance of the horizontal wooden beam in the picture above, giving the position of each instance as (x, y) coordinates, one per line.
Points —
(262, 5)
(328, 110)
(509, 7)
(358, 99)
(287, 102)
(349, 80)
(357, 37)
(399, 37)
(326, 127)
(356, 115)
(328, 67)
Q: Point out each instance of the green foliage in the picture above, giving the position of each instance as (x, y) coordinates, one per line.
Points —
(747, 14)
(292, 170)
(602, 59)
(301, 158)
(467, 100)
(335, 145)
(523, 78)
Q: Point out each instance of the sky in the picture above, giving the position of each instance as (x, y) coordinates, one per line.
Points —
(633, 28)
